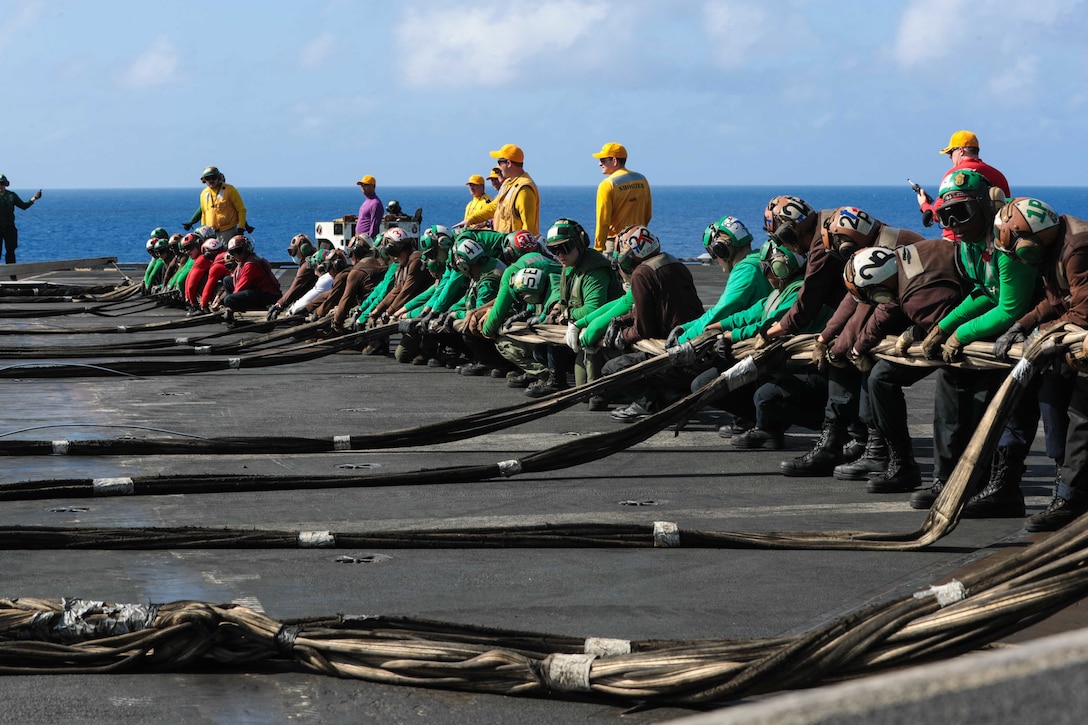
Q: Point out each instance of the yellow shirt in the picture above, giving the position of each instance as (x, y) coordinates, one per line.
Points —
(478, 204)
(516, 207)
(623, 199)
(223, 210)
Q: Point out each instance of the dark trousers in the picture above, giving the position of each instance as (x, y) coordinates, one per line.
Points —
(1047, 397)
(847, 400)
(483, 351)
(9, 239)
(775, 404)
(250, 300)
(959, 402)
(1075, 467)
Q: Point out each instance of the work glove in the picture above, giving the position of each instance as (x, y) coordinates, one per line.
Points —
(931, 346)
(405, 326)
(674, 337)
(862, 361)
(723, 348)
(187, 226)
(37, 195)
(952, 349)
(839, 361)
(273, 312)
(819, 355)
(354, 324)
(611, 332)
(572, 337)
(904, 341)
(927, 218)
(249, 229)
(1003, 344)
(682, 355)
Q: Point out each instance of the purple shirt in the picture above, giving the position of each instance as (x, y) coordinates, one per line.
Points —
(370, 217)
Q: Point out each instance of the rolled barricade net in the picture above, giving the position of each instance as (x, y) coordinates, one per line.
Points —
(40, 636)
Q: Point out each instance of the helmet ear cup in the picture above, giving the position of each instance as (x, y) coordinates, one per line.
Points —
(881, 295)
(1028, 250)
(997, 199)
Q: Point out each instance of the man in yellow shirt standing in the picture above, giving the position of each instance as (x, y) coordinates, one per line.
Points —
(623, 199)
(517, 205)
(479, 200)
(221, 207)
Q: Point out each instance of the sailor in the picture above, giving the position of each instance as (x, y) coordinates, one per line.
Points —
(962, 149)
(794, 224)
(909, 287)
(623, 197)
(663, 296)
(790, 396)
(370, 211)
(299, 250)
(217, 252)
(9, 234)
(1002, 290)
(587, 283)
(221, 206)
(843, 233)
(1032, 231)
(517, 203)
(253, 284)
(360, 280)
(479, 199)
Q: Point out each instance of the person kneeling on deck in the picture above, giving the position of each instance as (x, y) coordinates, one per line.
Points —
(299, 250)
(587, 283)
(252, 285)
(663, 296)
(789, 396)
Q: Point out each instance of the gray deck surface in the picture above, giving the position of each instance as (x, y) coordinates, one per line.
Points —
(695, 479)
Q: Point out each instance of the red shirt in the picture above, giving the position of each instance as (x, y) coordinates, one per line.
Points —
(995, 177)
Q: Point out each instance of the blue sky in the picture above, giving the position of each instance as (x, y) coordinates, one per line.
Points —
(416, 92)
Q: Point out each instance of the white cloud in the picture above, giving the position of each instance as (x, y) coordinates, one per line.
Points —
(928, 31)
(494, 46)
(23, 17)
(736, 30)
(156, 66)
(314, 54)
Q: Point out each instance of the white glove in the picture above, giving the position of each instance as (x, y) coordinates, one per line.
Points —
(572, 337)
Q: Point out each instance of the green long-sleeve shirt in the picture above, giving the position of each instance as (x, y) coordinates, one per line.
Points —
(178, 280)
(595, 323)
(154, 273)
(380, 291)
(506, 301)
(746, 285)
(1002, 294)
(745, 324)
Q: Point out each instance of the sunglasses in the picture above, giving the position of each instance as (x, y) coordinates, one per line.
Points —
(502, 162)
(958, 212)
(561, 248)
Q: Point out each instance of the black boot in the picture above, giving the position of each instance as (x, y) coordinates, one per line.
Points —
(873, 460)
(924, 499)
(1067, 505)
(824, 456)
(555, 382)
(1001, 497)
(901, 475)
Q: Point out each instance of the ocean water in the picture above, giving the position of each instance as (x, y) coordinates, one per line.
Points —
(76, 223)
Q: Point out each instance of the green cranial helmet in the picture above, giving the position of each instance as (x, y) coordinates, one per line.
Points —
(159, 233)
(964, 184)
(530, 284)
(567, 232)
(468, 253)
(724, 235)
(436, 242)
(210, 172)
(4, 180)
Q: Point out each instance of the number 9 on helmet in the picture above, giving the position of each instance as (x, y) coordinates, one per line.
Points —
(871, 275)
